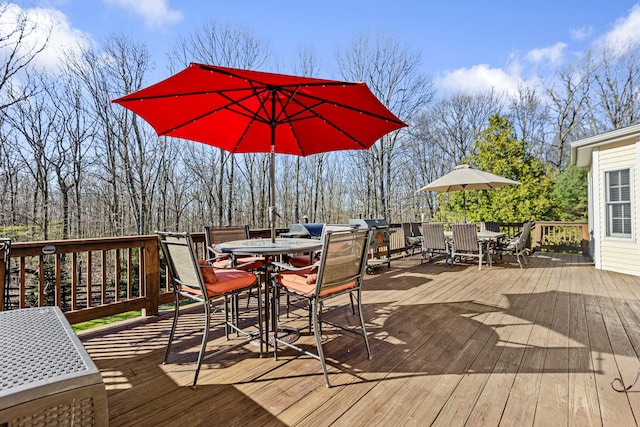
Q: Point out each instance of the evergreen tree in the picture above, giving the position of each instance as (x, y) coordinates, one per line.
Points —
(498, 151)
(571, 192)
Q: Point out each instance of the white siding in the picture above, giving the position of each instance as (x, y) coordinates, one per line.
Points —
(621, 255)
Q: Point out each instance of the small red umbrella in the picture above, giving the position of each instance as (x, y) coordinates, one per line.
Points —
(244, 111)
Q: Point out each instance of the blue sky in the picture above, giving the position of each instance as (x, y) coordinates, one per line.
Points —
(464, 45)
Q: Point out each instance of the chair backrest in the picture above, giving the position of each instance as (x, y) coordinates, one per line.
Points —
(343, 260)
(181, 260)
(415, 229)
(215, 235)
(465, 237)
(433, 236)
(490, 226)
(524, 236)
(406, 229)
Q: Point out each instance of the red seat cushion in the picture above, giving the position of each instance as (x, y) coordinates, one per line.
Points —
(252, 262)
(298, 281)
(299, 261)
(227, 280)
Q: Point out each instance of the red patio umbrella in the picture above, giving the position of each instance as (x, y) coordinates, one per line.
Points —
(244, 111)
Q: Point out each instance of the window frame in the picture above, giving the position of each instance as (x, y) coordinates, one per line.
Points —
(608, 205)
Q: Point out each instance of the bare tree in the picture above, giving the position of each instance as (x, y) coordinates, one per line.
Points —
(568, 93)
(530, 118)
(18, 49)
(454, 123)
(617, 88)
(34, 121)
(391, 71)
(218, 44)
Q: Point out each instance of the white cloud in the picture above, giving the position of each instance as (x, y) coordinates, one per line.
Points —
(155, 13)
(582, 33)
(480, 78)
(553, 54)
(46, 23)
(625, 33)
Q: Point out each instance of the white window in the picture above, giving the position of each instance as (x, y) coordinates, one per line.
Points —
(618, 203)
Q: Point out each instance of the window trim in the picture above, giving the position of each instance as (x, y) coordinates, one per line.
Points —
(619, 236)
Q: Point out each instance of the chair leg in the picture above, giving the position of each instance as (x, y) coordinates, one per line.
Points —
(318, 335)
(176, 312)
(260, 329)
(205, 338)
(353, 308)
(364, 330)
(226, 317)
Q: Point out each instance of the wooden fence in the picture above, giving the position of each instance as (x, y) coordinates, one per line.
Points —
(94, 278)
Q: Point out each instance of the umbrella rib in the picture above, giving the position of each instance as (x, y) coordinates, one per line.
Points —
(231, 102)
(297, 86)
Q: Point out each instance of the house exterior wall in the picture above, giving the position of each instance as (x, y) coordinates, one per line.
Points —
(616, 254)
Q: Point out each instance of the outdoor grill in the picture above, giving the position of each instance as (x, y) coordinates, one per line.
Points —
(381, 233)
(304, 230)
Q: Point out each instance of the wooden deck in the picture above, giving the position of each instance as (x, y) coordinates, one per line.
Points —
(451, 346)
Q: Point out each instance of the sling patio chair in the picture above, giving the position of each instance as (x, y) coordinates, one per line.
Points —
(466, 244)
(434, 241)
(216, 235)
(197, 280)
(517, 245)
(412, 240)
(340, 271)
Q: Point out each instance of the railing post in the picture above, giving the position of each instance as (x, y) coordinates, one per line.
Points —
(537, 237)
(151, 276)
(3, 272)
(5, 265)
(586, 237)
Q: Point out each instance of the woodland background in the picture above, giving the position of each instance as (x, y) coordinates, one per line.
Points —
(74, 165)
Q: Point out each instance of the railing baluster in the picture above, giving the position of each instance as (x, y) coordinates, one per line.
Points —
(41, 281)
(58, 284)
(103, 287)
(74, 281)
(117, 274)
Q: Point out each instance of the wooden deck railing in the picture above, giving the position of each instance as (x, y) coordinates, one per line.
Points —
(94, 278)
(561, 236)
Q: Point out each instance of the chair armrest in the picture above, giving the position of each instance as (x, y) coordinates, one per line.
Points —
(289, 267)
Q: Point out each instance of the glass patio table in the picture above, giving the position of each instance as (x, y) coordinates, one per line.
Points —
(269, 250)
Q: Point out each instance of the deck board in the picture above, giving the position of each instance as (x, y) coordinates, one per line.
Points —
(451, 346)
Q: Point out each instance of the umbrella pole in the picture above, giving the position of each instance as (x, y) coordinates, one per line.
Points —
(272, 196)
(464, 204)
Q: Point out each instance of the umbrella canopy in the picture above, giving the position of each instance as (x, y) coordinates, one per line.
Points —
(244, 111)
(464, 177)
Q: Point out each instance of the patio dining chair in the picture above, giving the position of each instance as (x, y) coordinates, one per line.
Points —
(466, 244)
(517, 245)
(197, 280)
(412, 240)
(216, 235)
(340, 271)
(434, 241)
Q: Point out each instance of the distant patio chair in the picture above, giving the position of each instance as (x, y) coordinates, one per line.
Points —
(197, 280)
(434, 241)
(490, 226)
(341, 270)
(412, 241)
(466, 244)
(517, 245)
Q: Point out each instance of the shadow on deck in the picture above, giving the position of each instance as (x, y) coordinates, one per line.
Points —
(450, 346)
